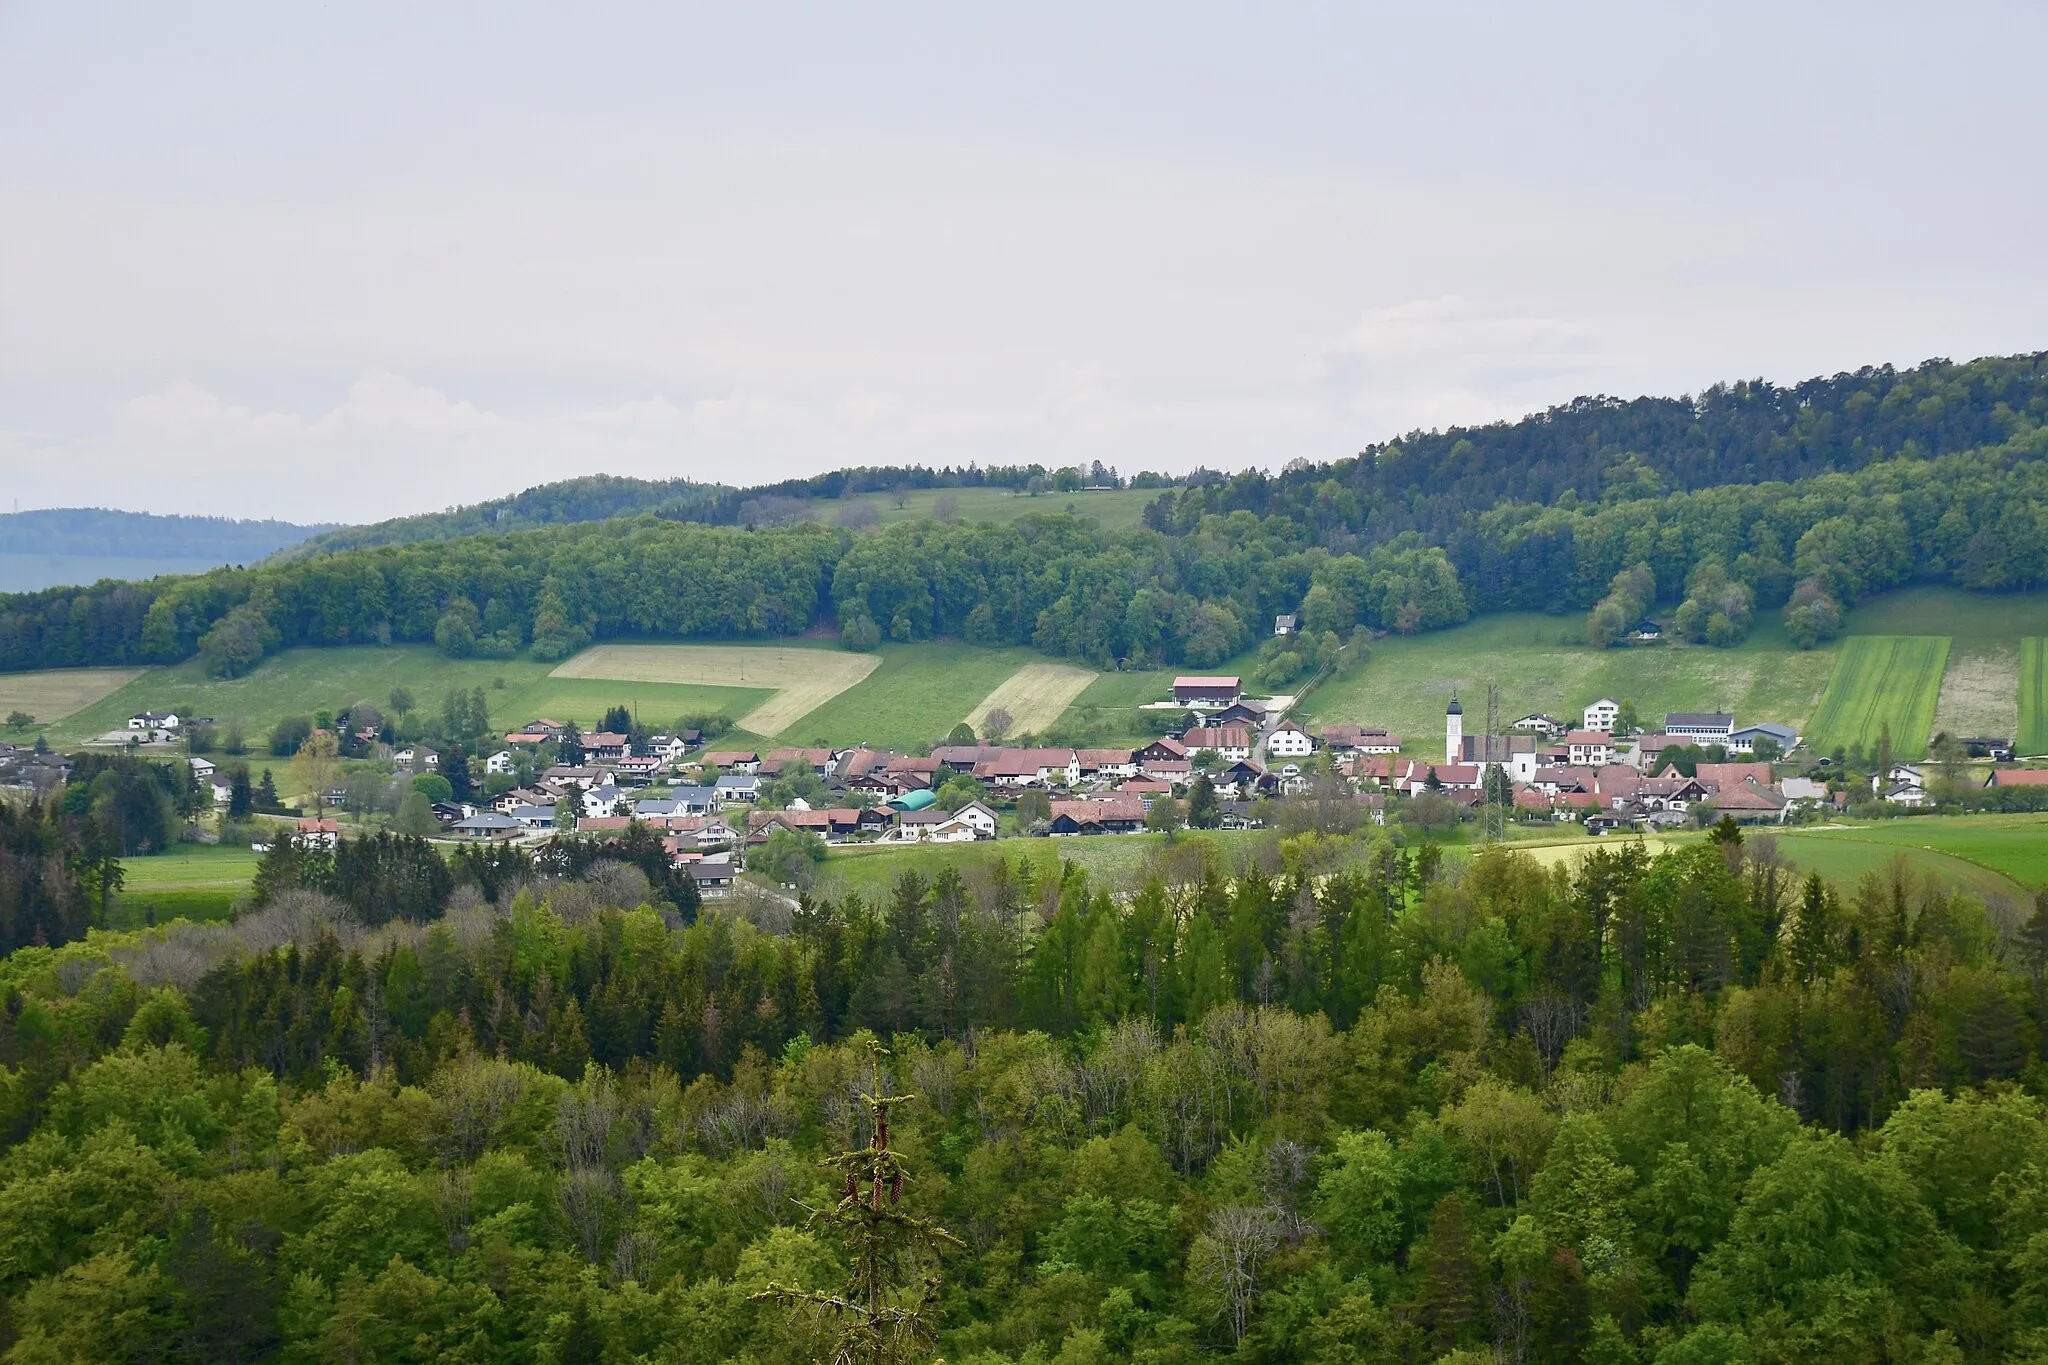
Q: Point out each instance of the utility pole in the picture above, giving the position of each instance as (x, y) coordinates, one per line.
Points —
(1493, 749)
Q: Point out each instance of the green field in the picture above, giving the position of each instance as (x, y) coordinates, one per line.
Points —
(1408, 680)
(2033, 736)
(1880, 682)
(193, 881)
(1118, 858)
(918, 694)
(2011, 846)
(1846, 861)
(300, 681)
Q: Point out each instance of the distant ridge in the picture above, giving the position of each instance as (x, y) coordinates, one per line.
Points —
(144, 535)
(58, 545)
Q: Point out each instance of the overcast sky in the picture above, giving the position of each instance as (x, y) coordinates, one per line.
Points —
(351, 261)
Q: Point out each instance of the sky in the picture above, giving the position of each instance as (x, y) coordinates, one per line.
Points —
(345, 262)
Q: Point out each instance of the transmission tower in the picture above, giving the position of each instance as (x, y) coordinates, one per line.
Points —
(1492, 753)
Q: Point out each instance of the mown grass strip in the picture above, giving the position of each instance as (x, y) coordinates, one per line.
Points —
(2033, 736)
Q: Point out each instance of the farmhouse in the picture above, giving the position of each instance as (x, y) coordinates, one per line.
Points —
(1363, 739)
(1206, 690)
(978, 818)
(1589, 748)
(734, 760)
(1540, 724)
(1289, 740)
(1230, 742)
(1106, 815)
(154, 720)
(1283, 625)
(2018, 777)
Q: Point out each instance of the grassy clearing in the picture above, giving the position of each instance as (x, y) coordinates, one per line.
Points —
(1035, 696)
(299, 682)
(1114, 510)
(193, 881)
(55, 693)
(1880, 682)
(803, 678)
(916, 694)
(1407, 681)
(2033, 717)
(1980, 691)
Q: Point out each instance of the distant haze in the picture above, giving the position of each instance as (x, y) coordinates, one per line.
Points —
(333, 264)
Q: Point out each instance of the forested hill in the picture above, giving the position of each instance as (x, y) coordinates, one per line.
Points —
(593, 498)
(1193, 589)
(144, 535)
(1603, 449)
(601, 497)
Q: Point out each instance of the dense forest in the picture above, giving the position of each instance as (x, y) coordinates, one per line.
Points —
(1341, 1101)
(141, 535)
(1594, 450)
(1814, 547)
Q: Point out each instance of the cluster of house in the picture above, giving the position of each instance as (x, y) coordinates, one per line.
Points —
(28, 773)
(1589, 773)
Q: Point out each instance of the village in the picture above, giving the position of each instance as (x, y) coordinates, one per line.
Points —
(1224, 760)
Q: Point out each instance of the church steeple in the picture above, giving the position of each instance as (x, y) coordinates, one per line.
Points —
(1454, 731)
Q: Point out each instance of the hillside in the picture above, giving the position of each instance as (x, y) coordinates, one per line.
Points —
(58, 545)
(1058, 575)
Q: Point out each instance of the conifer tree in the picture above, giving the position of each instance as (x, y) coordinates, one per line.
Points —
(881, 1319)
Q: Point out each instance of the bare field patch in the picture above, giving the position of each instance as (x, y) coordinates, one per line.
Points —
(1035, 696)
(803, 679)
(1980, 692)
(55, 693)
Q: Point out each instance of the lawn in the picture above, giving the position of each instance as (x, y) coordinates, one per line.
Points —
(301, 681)
(1407, 682)
(55, 693)
(916, 695)
(802, 678)
(1880, 683)
(2033, 731)
(193, 881)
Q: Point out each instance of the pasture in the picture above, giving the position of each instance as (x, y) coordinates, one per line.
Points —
(2033, 712)
(802, 678)
(1035, 696)
(55, 693)
(1539, 667)
(1880, 683)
